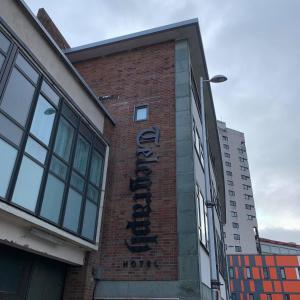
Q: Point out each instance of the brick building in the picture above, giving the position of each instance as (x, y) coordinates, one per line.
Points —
(150, 81)
(138, 115)
(264, 277)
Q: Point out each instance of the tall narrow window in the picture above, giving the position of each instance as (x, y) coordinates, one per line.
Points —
(248, 273)
(266, 273)
(282, 273)
(27, 187)
(7, 161)
(202, 217)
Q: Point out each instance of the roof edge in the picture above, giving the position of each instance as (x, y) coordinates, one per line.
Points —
(52, 43)
(131, 36)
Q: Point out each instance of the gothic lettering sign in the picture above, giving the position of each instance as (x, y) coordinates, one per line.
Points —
(140, 185)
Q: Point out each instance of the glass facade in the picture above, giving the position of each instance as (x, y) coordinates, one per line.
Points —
(51, 159)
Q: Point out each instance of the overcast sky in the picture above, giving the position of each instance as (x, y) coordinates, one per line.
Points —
(257, 45)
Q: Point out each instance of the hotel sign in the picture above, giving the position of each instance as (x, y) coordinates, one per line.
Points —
(140, 185)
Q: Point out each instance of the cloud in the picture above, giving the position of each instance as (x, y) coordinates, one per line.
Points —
(256, 44)
(282, 235)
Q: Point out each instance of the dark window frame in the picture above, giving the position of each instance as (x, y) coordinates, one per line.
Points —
(202, 215)
(97, 141)
(235, 225)
(236, 236)
(238, 249)
(198, 144)
(282, 273)
(266, 272)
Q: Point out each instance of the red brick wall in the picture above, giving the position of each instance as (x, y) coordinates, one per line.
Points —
(141, 76)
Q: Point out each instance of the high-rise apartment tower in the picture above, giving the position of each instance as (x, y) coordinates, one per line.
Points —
(241, 233)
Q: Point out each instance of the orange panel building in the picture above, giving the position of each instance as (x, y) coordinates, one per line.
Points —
(264, 277)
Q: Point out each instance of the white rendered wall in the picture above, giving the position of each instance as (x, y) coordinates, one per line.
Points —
(17, 228)
(247, 237)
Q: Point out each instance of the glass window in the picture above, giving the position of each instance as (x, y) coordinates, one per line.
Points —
(238, 249)
(235, 225)
(89, 220)
(81, 155)
(96, 168)
(231, 273)
(233, 213)
(231, 193)
(64, 139)
(36, 150)
(27, 68)
(4, 42)
(10, 130)
(27, 187)
(58, 168)
(50, 93)
(43, 119)
(18, 94)
(77, 182)
(72, 213)
(236, 237)
(282, 273)
(141, 113)
(52, 199)
(92, 193)
(7, 162)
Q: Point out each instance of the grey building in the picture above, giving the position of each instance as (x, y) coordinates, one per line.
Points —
(240, 231)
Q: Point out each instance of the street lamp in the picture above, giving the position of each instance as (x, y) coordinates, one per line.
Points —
(215, 282)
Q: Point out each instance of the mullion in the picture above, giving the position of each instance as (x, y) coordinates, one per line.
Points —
(87, 174)
(7, 71)
(50, 150)
(99, 197)
(68, 176)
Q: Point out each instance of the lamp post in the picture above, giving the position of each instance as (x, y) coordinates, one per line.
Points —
(215, 282)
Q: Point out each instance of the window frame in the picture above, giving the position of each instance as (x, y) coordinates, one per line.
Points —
(266, 273)
(238, 249)
(198, 144)
(235, 225)
(136, 108)
(202, 215)
(236, 237)
(98, 142)
(282, 273)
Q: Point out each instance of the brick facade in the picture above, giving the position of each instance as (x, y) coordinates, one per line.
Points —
(141, 76)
